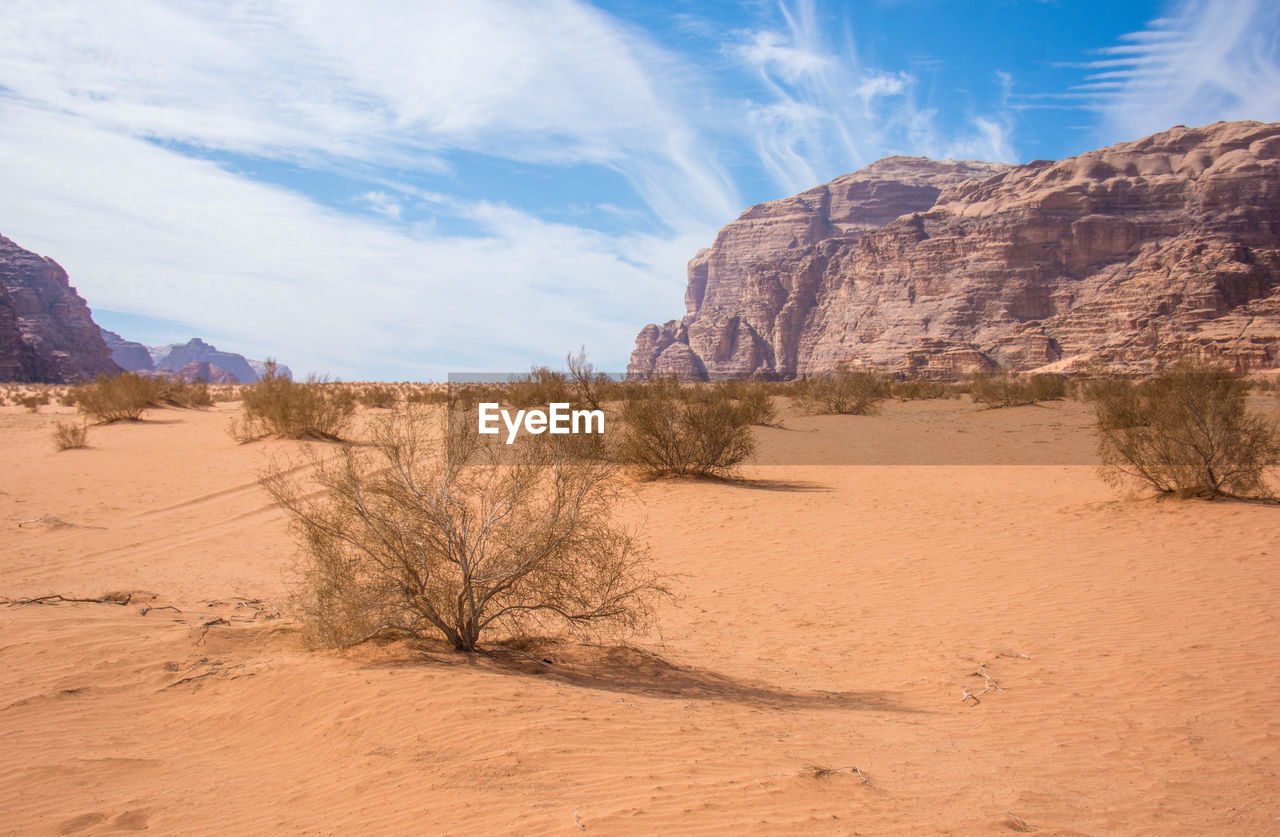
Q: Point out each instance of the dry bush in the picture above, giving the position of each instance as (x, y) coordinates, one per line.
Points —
(917, 389)
(177, 393)
(1048, 387)
(542, 386)
(590, 385)
(673, 431)
(1001, 389)
(70, 435)
(278, 406)
(756, 400)
(462, 538)
(379, 396)
(1186, 432)
(122, 398)
(845, 392)
(428, 396)
(34, 402)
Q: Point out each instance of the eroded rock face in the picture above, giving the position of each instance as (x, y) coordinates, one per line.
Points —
(128, 355)
(47, 334)
(1133, 255)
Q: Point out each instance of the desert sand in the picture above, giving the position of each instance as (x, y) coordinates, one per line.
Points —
(810, 678)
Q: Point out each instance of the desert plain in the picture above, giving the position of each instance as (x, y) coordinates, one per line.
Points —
(938, 619)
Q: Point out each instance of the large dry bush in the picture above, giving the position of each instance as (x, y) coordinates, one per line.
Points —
(756, 400)
(846, 392)
(464, 537)
(670, 430)
(542, 386)
(278, 406)
(1186, 432)
(120, 398)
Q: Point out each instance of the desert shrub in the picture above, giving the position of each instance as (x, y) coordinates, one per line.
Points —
(670, 430)
(428, 396)
(917, 389)
(121, 398)
(1048, 387)
(590, 386)
(177, 393)
(281, 407)
(34, 401)
(1001, 389)
(378, 395)
(68, 398)
(755, 398)
(846, 392)
(1185, 432)
(542, 386)
(69, 435)
(460, 539)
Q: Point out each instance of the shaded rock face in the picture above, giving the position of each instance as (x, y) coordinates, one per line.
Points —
(47, 334)
(1134, 255)
(195, 351)
(129, 356)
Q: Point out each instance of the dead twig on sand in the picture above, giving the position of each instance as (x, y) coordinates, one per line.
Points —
(580, 826)
(991, 685)
(204, 628)
(222, 673)
(58, 598)
(1017, 823)
(148, 608)
(821, 771)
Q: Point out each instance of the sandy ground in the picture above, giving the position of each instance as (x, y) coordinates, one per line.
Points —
(831, 617)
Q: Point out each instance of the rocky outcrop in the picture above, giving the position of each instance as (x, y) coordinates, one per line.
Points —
(1134, 255)
(129, 356)
(206, 372)
(47, 334)
(178, 355)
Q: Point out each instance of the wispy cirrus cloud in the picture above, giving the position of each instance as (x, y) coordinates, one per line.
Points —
(826, 112)
(1199, 62)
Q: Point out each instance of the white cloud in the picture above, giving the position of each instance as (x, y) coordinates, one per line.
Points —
(1201, 63)
(828, 113)
(383, 203)
(263, 270)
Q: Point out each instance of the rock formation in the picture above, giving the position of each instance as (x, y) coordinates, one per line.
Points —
(129, 356)
(1134, 255)
(175, 356)
(47, 334)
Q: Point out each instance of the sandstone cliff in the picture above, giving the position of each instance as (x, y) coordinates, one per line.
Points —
(1133, 255)
(47, 334)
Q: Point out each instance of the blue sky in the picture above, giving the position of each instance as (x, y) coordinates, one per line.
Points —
(398, 190)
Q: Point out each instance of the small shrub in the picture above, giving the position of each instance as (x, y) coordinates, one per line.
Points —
(461, 539)
(281, 407)
(1186, 432)
(378, 396)
(542, 386)
(673, 431)
(917, 389)
(177, 393)
(590, 385)
(756, 400)
(1001, 389)
(845, 392)
(34, 402)
(69, 435)
(122, 398)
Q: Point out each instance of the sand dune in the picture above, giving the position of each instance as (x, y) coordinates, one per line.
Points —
(831, 616)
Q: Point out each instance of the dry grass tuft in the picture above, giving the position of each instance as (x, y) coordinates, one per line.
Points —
(70, 435)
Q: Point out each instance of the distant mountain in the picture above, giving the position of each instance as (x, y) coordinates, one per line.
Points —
(192, 360)
(47, 334)
(1133, 256)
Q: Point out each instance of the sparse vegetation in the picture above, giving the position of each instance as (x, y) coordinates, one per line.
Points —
(1001, 389)
(542, 386)
(1186, 432)
(70, 435)
(120, 398)
(917, 389)
(379, 396)
(34, 401)
(278, 406)
(846, 392)
(462, 539)
(756, 400)
(677, 431)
